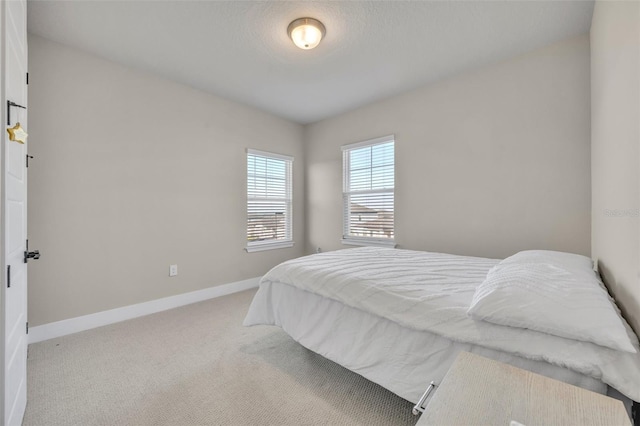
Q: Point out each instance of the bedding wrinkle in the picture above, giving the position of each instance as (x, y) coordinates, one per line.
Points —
(432, 292)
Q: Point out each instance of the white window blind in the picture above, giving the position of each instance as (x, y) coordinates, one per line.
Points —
(368, 194)
(269, 196)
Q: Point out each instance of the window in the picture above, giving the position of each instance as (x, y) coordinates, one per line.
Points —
(269, 223)
(368, 194)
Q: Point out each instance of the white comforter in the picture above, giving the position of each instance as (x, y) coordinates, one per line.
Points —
(432, 292)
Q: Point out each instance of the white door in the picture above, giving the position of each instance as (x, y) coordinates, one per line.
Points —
(14, 214)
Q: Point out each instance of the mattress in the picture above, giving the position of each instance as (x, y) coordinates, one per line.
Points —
(423, 297)
(400, 359)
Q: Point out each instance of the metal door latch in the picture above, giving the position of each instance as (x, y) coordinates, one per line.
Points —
(35, 255)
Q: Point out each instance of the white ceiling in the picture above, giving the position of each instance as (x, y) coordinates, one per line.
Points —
(373, 49)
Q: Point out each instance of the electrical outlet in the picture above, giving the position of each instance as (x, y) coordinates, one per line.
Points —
(173, 270)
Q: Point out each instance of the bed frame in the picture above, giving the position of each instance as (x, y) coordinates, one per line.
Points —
(604, 275)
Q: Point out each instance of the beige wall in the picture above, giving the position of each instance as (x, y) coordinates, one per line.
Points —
(615, 124)
(133, 173)
(488, 162)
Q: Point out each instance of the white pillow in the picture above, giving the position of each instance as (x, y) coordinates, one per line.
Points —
(554, 294)
(558, 258)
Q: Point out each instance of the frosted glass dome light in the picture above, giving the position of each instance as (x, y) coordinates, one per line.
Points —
(306, 33)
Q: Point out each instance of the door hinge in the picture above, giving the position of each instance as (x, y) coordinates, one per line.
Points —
(27, 327)
(8, 276)
(28, 156)
(27, 79)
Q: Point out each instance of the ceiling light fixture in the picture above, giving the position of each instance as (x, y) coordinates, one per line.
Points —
(306, 33)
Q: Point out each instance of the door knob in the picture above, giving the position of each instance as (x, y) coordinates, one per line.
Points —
(35, 255)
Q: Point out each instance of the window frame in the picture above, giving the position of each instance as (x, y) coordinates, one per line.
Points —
(253, 246)
(346, 211)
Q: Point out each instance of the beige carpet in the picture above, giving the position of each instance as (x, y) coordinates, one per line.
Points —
(197, 365)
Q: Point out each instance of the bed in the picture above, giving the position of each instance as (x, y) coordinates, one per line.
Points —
(400, 317)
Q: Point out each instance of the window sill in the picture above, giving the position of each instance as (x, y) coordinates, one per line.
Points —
(369, 242)
(268, 246)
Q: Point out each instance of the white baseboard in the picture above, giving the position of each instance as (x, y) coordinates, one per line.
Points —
(87, 322)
